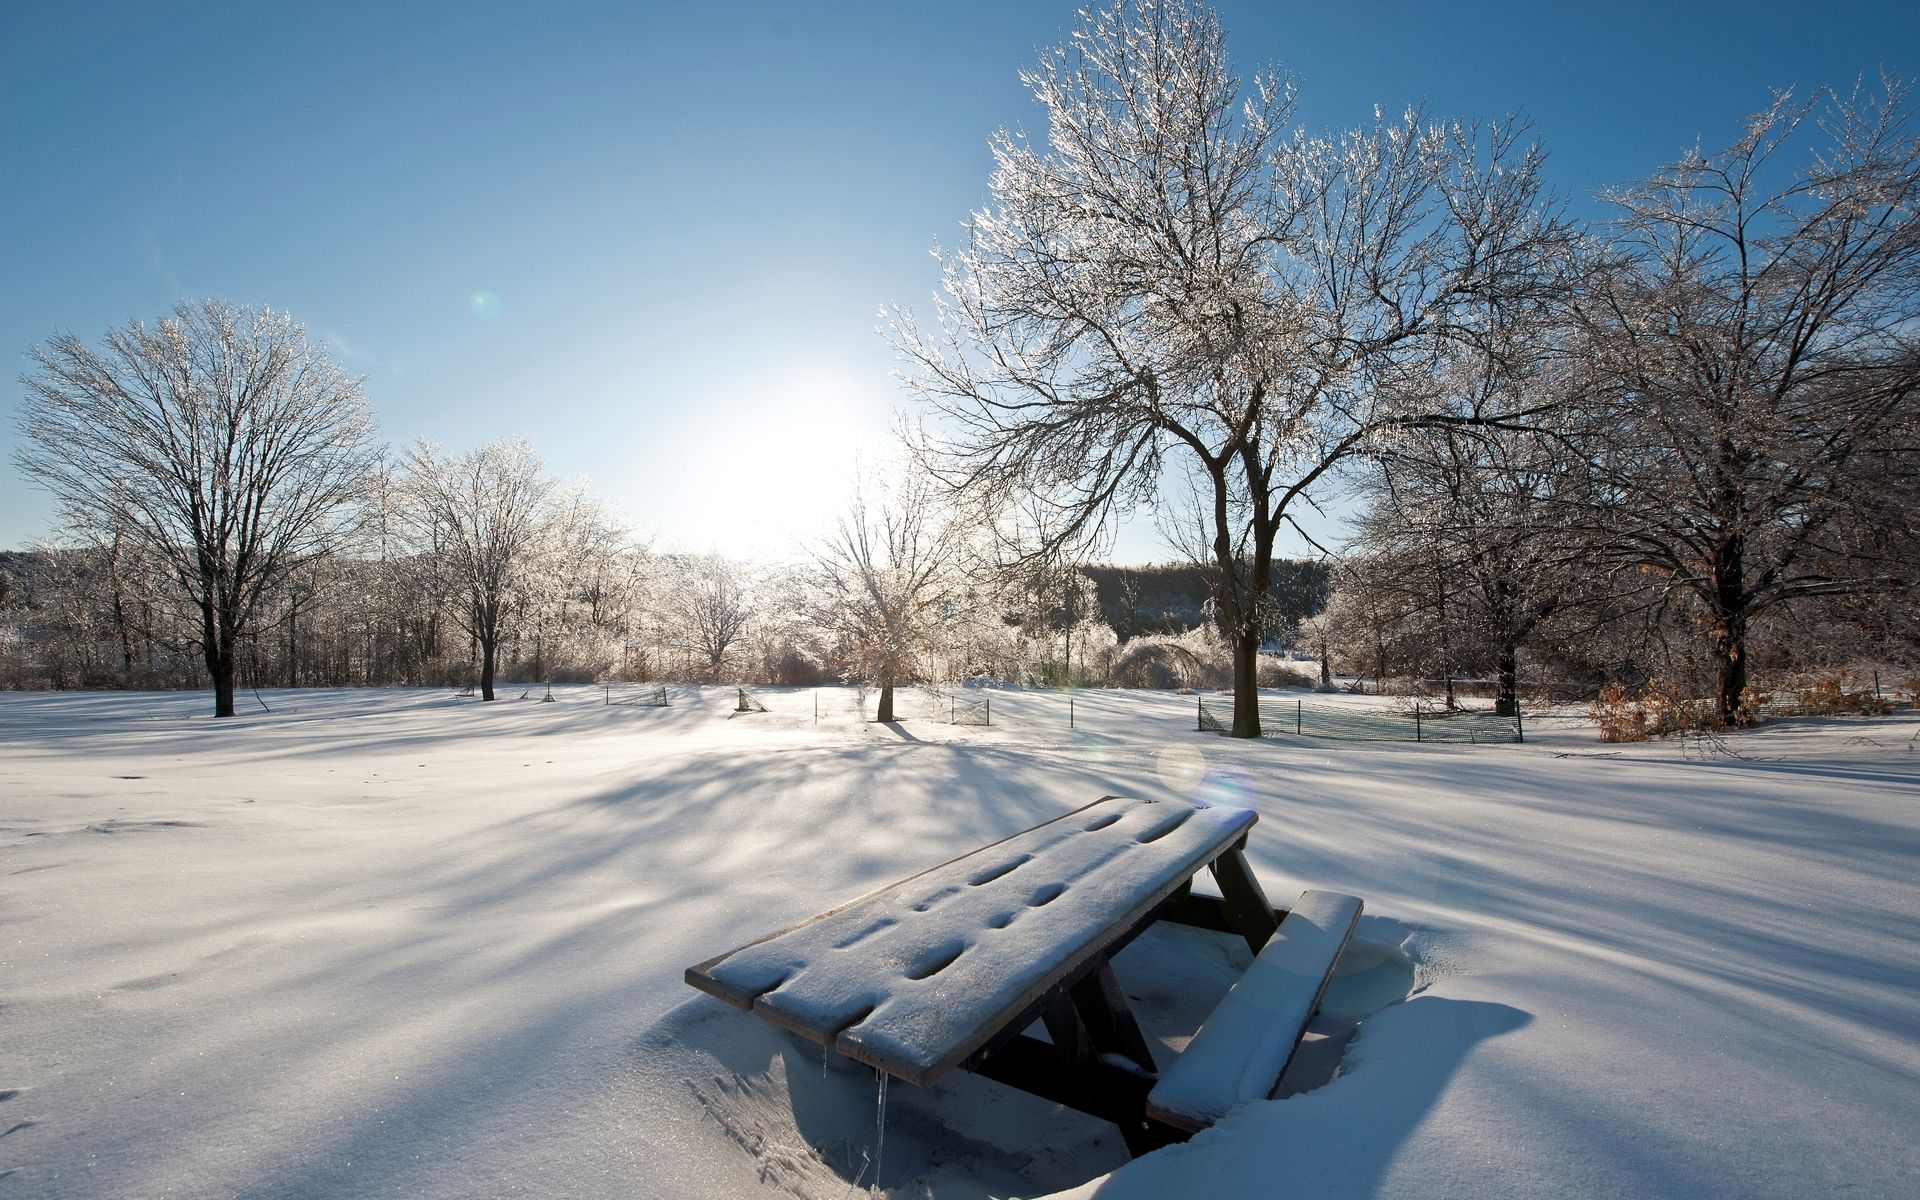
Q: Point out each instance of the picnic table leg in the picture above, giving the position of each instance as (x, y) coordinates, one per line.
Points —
(1247, 909)
(1072, 1043)
(1109, 1022)
(1089, 1020)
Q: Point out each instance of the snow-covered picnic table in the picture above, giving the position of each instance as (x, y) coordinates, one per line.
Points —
(949, 967)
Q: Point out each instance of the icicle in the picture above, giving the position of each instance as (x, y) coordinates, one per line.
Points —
(879, 1131)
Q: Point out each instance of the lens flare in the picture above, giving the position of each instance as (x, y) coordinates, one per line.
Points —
(1227, 789)
(485, 304)
(1180, 767)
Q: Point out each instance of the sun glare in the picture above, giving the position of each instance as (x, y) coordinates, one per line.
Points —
(779, 469)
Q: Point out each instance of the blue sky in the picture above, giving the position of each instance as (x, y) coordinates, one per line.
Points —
(689, 214)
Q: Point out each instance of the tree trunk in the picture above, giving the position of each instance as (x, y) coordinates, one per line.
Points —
(1730, 663)
(217, 650)
(486, 667)
(1508, 701)
(886, 701)
(221, 669)
(1326, 668)
(126, 640)
(1729, 632)
(1246, 684)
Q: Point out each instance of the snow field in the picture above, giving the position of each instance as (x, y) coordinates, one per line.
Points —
(393, 944)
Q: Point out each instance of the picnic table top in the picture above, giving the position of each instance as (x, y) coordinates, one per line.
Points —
(916, 977)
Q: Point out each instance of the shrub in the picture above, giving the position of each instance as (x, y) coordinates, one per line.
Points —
(1196, 658)
(1619, 718)
(1276, 674)
(1656, 712)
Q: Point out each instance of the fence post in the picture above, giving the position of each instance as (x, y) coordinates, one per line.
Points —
(1069, 710)
(1199, 714)
(1416, 725)
(989, 726)
(1519, 723)
(1876, 685)
(1297, 724)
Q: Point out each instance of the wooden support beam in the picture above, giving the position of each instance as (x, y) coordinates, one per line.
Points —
(1246, 906)
(1205, 912)
(1109, 1021)
(1072, 1044)
(1111, 1090)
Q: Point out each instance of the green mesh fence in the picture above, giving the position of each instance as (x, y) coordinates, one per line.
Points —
(971, 712)
(1208, 722)
(749, 703)
(1468, 726)
(643, 695)
(1821, 704)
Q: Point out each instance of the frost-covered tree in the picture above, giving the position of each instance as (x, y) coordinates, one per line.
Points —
(1177, 278)
(218, 440)
(1754, 356)
(888, 579)
(483, 520)
(709, 604)
(598, 575)
(1474, 526)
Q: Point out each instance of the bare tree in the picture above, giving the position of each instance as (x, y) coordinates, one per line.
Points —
(887, 579)
(710, 603)
(1175, 278)
(1474, 526)
(483, 519)
(1753, 353)
(220, 439)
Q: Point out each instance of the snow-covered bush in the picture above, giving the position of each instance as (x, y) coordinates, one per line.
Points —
(1275, 673)
(1196, 658)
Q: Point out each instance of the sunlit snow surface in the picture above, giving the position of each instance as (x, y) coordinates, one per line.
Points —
(395, 944)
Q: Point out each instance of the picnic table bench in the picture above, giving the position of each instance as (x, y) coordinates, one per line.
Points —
(950, 968)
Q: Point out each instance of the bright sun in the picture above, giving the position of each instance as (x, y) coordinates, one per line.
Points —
(778, 471)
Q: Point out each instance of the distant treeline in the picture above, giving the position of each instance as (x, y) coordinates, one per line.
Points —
(102, 616)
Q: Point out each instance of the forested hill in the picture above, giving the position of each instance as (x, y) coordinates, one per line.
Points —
(17, 567)
(1172, 597)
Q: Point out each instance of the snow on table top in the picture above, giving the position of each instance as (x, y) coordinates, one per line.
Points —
(1242, 1050)
(915, 977)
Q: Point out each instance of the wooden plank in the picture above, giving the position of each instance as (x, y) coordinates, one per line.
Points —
(701, 975)
(1092, 896)
(1240, 1053)
(916, 977)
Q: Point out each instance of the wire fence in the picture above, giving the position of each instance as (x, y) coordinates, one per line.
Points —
(971, 712)
(1465, 726)
(654, 696)
(1823, 703)
(750, 703)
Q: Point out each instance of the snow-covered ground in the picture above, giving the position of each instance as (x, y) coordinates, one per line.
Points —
(394, 944)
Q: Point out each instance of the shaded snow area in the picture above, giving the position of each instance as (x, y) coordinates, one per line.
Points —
(390, 943)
